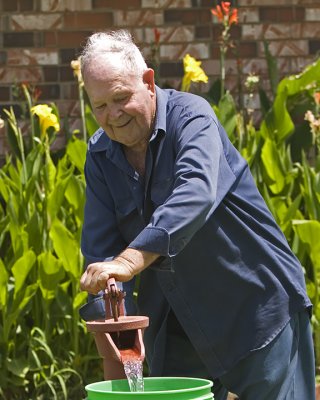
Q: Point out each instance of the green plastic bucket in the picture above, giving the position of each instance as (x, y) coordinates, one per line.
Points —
(170, 388)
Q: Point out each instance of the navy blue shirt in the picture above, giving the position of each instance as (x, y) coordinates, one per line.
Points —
(226, 268)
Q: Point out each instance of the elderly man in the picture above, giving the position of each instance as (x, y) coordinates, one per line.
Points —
(169, 197)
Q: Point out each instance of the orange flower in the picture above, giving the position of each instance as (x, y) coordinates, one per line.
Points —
(226, 7)
(222, 12)
(157, 35)
(233, 19)
(218, 13)
(316, 96)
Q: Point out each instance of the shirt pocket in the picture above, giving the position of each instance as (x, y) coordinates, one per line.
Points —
(161, 190)
(128, 219)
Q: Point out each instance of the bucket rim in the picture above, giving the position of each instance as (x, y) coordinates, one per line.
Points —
(207, 384)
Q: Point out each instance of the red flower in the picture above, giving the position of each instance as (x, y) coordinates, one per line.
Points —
(225, 7)
(317, 98)
(233, 19)
(218, 13)
(222, 12)
(157, 35)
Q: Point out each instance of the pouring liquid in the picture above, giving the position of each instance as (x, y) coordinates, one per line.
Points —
(133, 368)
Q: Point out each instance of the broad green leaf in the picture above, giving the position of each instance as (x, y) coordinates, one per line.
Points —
(91, 122)
(66, 247)
(80, 299)
(56, 197)
(21, 269)
(18, 366)
(297, 83)
(227, 114)
(4, 276)
(75, 192)
(277, 124)
(50, 172)
(309, 232)
(76, 150)
(270, 158)
(51, 272)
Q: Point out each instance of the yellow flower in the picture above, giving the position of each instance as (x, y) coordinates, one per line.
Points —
(76, 66)
(46, 117)
(192, 72)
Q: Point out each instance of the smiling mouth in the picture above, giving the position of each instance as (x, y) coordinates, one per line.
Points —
(122, 126)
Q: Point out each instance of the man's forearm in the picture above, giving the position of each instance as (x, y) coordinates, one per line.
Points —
(136, 260)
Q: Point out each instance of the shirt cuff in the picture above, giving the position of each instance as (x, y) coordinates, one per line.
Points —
(152, 239)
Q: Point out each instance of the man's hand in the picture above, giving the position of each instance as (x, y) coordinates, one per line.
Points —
(123, 268)
(97, 274)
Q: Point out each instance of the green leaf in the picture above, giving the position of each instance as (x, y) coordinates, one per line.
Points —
(91, 122)
(270, 158)
(51, 273)
(66, 247)
(4, 276)
(309, 233)
(21, 269)
(76, 151)
(277, 124)
(80, 299)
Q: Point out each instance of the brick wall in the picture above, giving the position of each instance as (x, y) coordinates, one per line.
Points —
(39, 38)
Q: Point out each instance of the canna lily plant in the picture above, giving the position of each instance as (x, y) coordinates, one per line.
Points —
(192, 73)
(46, 117)
(227, 17)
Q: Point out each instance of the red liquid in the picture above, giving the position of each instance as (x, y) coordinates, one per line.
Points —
(130, 354)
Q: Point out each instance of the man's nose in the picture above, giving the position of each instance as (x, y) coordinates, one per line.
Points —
(114, 112)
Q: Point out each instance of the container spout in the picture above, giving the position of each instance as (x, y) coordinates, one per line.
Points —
(118, 337)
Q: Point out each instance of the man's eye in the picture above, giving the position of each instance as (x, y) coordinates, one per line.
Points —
(121, 99)
(100, 107)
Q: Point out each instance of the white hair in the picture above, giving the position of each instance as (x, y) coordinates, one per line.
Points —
(119, 44)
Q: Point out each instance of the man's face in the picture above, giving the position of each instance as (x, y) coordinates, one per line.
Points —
(123, 104)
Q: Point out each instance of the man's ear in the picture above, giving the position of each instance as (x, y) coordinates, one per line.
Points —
(148, 79)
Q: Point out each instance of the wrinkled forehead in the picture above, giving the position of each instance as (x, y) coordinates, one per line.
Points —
(108, 63)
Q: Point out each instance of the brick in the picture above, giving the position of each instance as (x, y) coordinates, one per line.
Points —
(202, 32)
(171, 69)
(192, 17)
(32, 57)
(5, 93)
(248, 15)
(18, 74)
(71, 5)
(312, 14)
(25, 5)
(69, 91)
(66, 39)
(21, 22)
(247, 49)
(68, 107)
(18, 39)
(167, 4)
(3, 57)
(16, 109)
(178, 51)
(67, 55)
(50, 74)
(314, 46)
(88, 20)
(10, 5)
(49, 91)
(66, 74)
(281, 14)
(111, 4)
(137, 18)
(288, 48)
